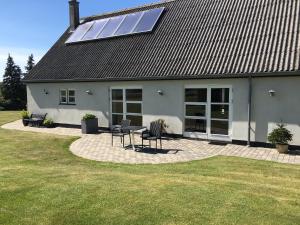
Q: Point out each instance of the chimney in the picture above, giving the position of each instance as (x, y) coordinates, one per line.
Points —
(74, 14)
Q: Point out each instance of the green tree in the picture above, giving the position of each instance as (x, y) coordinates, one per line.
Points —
(13, 90)
(30, 63)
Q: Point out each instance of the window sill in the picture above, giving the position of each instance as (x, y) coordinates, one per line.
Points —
(66, 104)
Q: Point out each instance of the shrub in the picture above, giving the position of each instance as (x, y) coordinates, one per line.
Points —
(88, 117)
(48, 123)
(10, 105)
(280, 135)
(25, 114)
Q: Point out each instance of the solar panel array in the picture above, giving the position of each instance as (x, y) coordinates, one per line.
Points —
(139, 22)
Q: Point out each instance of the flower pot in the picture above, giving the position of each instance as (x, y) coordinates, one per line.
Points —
(89, 126)
(25, 122)
(282, 148)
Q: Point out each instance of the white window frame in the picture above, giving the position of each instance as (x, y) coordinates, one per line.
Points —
(61, 96)
(124, 101)
(208, 104)
(67, 102)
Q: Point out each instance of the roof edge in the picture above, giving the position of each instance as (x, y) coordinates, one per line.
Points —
(202, 77)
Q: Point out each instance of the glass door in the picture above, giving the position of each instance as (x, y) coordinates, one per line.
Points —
(207, 113)
(196, 105)
(219, 113)
(127, 104)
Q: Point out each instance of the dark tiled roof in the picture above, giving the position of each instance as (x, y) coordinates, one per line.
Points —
(194, 39)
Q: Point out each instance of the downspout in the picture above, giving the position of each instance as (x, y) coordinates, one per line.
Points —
(249, 109)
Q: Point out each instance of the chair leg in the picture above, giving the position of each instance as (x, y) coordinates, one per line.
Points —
(112, 140)
(156, 146)
(160, 144)
(130, 138)
(142, 142)
(123, 142)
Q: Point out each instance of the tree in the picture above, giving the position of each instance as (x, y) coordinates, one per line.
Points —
(13, 90)
(30, 63)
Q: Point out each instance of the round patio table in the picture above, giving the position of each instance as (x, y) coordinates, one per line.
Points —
(132, 130)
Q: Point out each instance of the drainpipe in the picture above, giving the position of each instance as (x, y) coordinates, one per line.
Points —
(249, 109)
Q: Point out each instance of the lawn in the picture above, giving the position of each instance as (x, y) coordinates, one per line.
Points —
(41, 182)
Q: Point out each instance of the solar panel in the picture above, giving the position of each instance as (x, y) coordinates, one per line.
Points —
(133, 23)
(129, 24)
(111, 27)
(95, 30)
(148, 20)
(80, 32)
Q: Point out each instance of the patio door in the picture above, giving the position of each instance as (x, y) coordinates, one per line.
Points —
(208, 113)
(127, 103)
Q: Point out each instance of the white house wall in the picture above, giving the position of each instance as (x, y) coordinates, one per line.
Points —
(267, 111)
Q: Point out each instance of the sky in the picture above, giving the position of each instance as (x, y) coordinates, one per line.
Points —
(33, 26)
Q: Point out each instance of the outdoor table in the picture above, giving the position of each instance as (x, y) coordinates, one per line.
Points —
(131, 130)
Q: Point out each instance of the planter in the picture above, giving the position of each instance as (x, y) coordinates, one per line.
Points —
(282, 148)
(25, 122)
(89, 126)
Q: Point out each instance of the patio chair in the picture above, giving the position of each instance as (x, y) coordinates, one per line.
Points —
(154, 134)
(120, 131)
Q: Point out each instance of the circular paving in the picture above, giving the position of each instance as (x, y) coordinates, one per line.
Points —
(99, 148)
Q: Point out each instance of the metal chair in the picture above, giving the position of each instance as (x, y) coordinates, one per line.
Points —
(120, 131)
(154, 134)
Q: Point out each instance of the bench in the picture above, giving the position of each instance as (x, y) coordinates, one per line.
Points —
(36, 120)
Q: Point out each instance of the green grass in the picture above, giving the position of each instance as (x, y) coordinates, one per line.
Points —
(41, 182)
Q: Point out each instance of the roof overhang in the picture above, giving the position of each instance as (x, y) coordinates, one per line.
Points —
(188, 77)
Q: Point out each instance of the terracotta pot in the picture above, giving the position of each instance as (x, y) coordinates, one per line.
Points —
(282, 148)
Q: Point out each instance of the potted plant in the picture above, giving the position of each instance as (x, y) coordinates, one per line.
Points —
(25, 117)
(281, 137)
(48, 123)
(89, 124)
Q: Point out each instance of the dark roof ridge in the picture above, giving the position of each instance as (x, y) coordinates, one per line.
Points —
(88, 18)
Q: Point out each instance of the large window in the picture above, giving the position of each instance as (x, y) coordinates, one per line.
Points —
(67, 97)
(219, 111)
(195, 110)
(127, 104)
(207, 111)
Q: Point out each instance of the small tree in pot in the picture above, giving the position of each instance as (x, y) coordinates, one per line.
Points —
(25, 117)
(281, 137)
(89, 124)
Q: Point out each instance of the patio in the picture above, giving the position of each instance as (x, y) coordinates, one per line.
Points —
(98, 147)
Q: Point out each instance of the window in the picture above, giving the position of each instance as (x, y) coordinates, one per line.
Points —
(127, 104)
(71, 97)
(207, 112)
(67, 97)
(195, 110)
(63, 96)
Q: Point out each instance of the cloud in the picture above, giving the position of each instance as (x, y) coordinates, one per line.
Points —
(20, 56)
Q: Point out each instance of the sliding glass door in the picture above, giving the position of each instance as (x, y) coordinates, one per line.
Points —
(207, 112)
(127, 103)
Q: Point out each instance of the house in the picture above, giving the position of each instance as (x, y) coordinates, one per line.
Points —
(224, 70)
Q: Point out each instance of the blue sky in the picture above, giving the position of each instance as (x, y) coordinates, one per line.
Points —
(33, 26)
